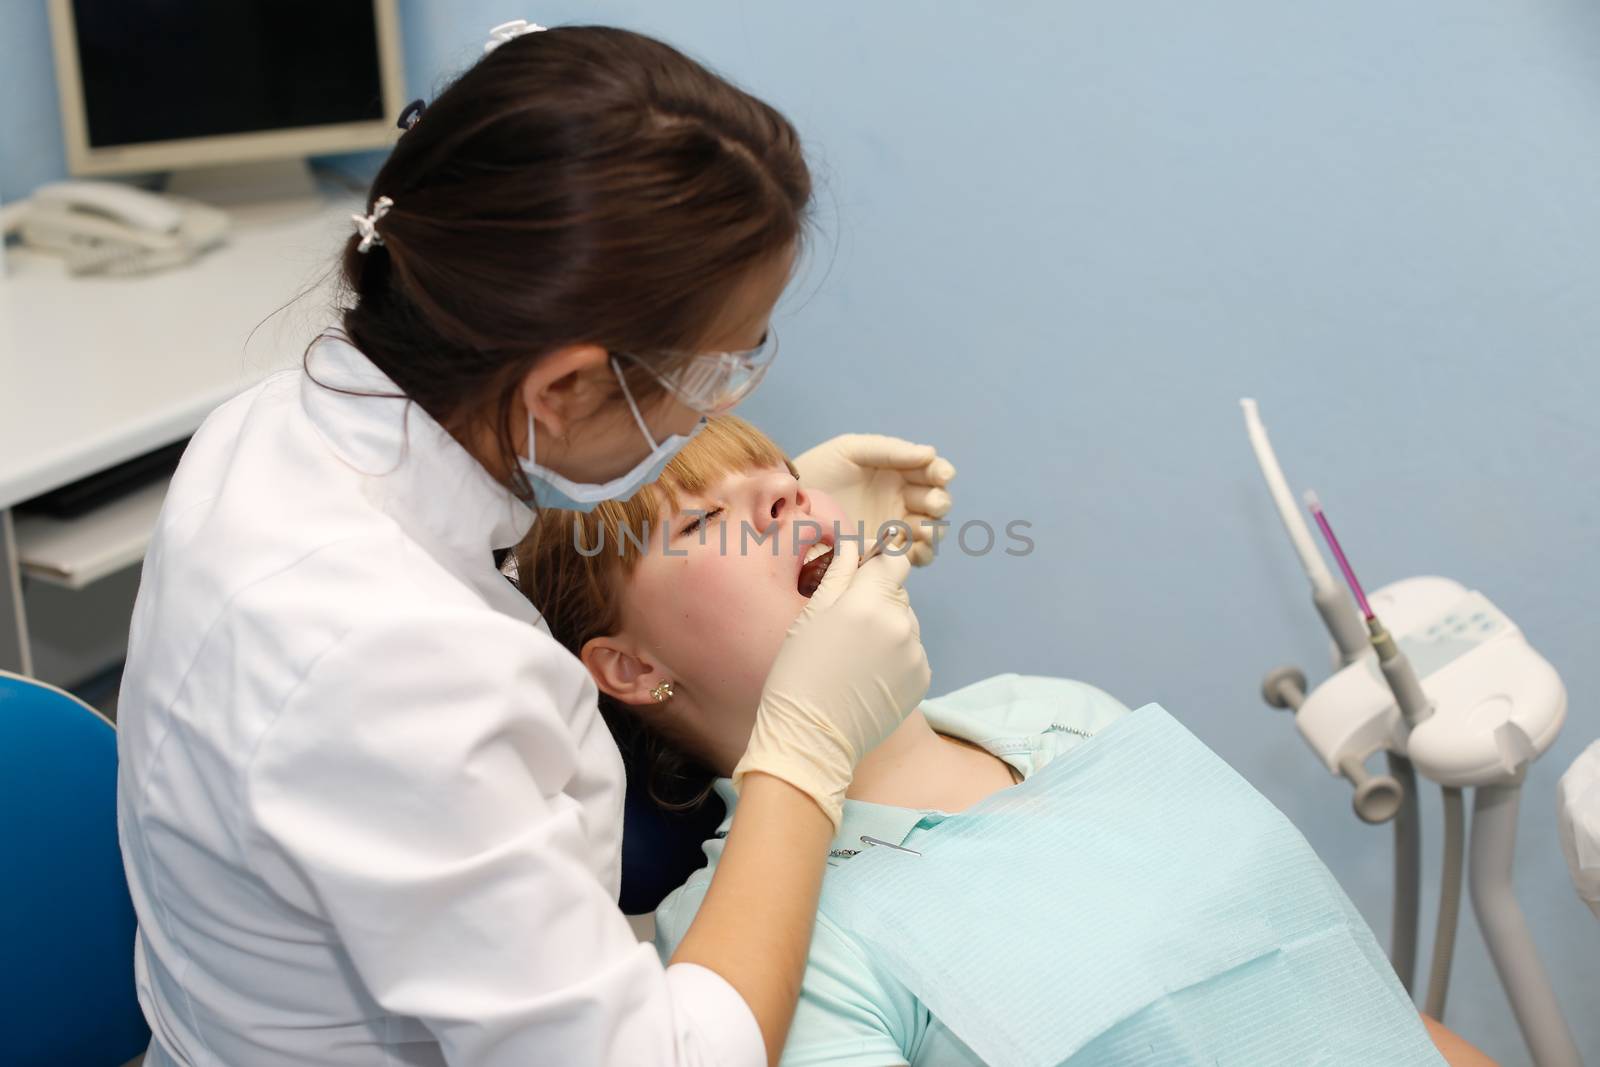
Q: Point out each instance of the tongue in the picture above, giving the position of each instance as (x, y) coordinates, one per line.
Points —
(811, 574)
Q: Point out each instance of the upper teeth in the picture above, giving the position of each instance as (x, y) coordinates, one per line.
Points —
(819, 549)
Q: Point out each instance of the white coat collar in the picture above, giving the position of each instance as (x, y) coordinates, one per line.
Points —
(420, 475)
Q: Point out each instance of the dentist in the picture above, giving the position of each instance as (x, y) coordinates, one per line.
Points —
(369, 811)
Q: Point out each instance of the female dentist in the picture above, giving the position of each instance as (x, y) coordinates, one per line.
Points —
(369, 812)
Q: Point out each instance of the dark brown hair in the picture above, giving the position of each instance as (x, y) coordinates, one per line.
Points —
(573, 565)
(584, 184)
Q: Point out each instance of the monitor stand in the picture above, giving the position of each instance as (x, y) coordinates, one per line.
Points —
(265, 192)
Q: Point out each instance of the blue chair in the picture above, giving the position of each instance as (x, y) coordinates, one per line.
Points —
(66, 922)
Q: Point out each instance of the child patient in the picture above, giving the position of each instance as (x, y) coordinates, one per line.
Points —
(677, 602)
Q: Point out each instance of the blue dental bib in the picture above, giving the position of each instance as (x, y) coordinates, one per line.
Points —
(1159, 912)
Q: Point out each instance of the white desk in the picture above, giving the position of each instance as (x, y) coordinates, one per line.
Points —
(95, 371)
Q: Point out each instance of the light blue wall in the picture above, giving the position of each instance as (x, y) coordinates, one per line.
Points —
(30, 124)
(1062, 239)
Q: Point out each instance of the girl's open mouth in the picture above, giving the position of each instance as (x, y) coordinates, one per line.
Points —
(818, 556)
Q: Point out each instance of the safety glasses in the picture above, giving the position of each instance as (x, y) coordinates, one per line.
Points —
(714, 382)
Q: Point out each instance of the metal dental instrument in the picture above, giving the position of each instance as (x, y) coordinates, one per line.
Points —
(882, 543)
(865, 840)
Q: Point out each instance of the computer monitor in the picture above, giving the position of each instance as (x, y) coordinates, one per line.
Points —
(155, 85)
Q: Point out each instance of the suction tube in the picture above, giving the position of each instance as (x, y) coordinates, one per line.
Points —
(1331, 601)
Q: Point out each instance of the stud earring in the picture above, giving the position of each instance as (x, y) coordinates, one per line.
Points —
(663, 692)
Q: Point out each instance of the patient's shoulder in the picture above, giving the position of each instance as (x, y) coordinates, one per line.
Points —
(1023, 704)
(674, 914)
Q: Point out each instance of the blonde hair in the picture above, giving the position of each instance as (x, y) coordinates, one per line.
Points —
(574, 565)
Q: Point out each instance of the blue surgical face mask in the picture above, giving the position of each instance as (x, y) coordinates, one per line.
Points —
(552, 490)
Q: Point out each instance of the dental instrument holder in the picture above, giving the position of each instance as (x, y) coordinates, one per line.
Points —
(1481, 704)
(1377, 796)
(1496, 704)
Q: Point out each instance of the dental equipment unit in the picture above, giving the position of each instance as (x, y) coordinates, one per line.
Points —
(1457, 695)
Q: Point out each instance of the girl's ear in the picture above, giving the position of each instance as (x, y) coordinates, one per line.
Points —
(621, 669)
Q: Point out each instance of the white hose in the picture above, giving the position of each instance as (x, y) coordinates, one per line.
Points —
(1305, 547)
(1444, 937)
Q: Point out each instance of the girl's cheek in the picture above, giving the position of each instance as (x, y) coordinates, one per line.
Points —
(720, 593)
(732, 598)
(827, 513)
(701, 590)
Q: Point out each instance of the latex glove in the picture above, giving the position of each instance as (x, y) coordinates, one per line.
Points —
(850, 670)
(876, 479)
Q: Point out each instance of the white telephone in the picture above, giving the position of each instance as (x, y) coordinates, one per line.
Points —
(107, 228)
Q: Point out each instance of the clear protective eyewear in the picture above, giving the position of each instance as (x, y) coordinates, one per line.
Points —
(713, 383)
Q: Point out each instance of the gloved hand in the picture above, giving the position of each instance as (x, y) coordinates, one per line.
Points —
(851, 669)
(876, 479)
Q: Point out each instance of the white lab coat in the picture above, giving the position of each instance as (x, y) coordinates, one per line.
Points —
(369, 811)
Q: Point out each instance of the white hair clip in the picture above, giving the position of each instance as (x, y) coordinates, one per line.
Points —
(367, 225)
(508, 30)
